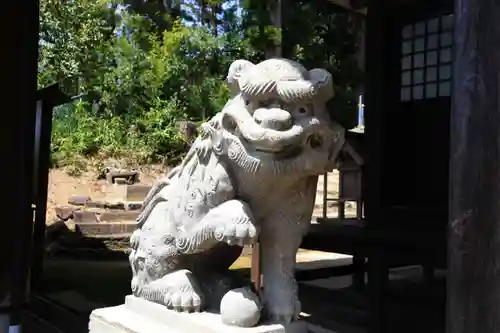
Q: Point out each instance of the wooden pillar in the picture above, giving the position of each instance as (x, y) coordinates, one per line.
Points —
(376, 97)
(378, 272)
(47, 99)
(474, 227)
(18, 61)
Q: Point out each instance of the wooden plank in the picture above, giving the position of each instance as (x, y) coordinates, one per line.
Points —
(323, 273)
(474, 222)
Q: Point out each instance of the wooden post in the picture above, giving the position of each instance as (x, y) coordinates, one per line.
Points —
(325, 195)
(255, 271)
(19, 24)
(474, 227)
(341, 202)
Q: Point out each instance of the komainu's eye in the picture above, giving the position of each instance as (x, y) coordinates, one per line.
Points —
(304, 110)
(315, 141)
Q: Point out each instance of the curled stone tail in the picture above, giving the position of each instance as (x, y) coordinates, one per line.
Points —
(153, 193)
(143, 216)
(160, 186)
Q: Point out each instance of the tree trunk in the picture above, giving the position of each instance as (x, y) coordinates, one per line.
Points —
(474, 227)
(274, 10)
(214, 24)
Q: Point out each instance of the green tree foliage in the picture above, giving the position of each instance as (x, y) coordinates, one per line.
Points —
(330, 41)
(140, 67)
(73, 37)
(258, 30)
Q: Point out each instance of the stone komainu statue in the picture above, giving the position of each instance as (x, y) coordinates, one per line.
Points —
(251, 173)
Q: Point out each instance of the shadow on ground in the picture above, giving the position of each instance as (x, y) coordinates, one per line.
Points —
(82, 274)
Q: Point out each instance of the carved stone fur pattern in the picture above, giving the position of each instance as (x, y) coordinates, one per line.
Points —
(251, 173)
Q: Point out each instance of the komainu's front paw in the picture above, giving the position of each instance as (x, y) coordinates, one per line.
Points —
(233, 223)
(237, 233)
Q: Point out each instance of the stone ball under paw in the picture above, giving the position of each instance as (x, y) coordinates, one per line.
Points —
(240, 307)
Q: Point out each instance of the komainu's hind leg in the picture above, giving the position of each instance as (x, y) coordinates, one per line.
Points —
(211, 269)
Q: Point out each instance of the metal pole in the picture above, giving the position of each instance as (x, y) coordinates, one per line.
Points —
(361, 112)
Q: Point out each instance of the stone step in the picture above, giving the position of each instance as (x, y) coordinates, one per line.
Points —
(102, 216)
(127, 193)
(108, 229)
(79, 200)
(129, 205)
(65, 212)
(132, 205)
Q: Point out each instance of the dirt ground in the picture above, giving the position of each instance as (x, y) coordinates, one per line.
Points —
(62, 186)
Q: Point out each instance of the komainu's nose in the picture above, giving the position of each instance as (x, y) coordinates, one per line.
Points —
(276, 119)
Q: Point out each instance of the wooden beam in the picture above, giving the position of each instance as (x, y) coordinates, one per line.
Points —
(474, 227)
(347, 4)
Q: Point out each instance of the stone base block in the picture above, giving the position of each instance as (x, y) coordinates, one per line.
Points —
(140, 316)
(123, 193)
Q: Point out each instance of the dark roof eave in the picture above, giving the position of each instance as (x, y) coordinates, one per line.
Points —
(53, 94)
(358, 6)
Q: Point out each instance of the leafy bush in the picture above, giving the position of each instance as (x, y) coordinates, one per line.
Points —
(132, 110)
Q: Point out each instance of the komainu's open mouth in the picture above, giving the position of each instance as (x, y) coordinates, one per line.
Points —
(313, 141)
(280, 152)
(268, 150)
(289, 152)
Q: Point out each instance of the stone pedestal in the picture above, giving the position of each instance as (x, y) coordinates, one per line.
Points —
(140, 316)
